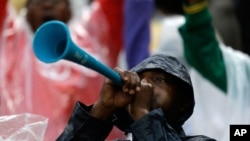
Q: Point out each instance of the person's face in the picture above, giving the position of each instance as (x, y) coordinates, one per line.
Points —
(164, 87)
(40, 11)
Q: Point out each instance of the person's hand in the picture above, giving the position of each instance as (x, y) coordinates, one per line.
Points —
(194, 6)
(113, 97)
(142, 102)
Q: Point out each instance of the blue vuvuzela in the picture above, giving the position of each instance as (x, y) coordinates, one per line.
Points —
(52, 42)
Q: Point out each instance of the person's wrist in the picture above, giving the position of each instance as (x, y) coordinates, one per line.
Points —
(138, 113)
(100, 112)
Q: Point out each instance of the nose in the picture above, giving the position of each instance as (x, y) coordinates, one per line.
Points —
(48, 3)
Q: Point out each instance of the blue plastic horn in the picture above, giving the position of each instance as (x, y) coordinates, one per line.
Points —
(52, 42)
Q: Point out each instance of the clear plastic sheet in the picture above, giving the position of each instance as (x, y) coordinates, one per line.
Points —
(23, 127)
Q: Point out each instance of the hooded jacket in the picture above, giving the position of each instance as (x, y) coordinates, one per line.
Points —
(152, 127)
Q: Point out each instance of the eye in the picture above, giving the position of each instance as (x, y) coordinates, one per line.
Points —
(160, 80)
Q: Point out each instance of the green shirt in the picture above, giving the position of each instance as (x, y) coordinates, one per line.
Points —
(202, 49)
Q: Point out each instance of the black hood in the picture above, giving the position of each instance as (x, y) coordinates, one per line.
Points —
(166, 63)
(171, 66)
